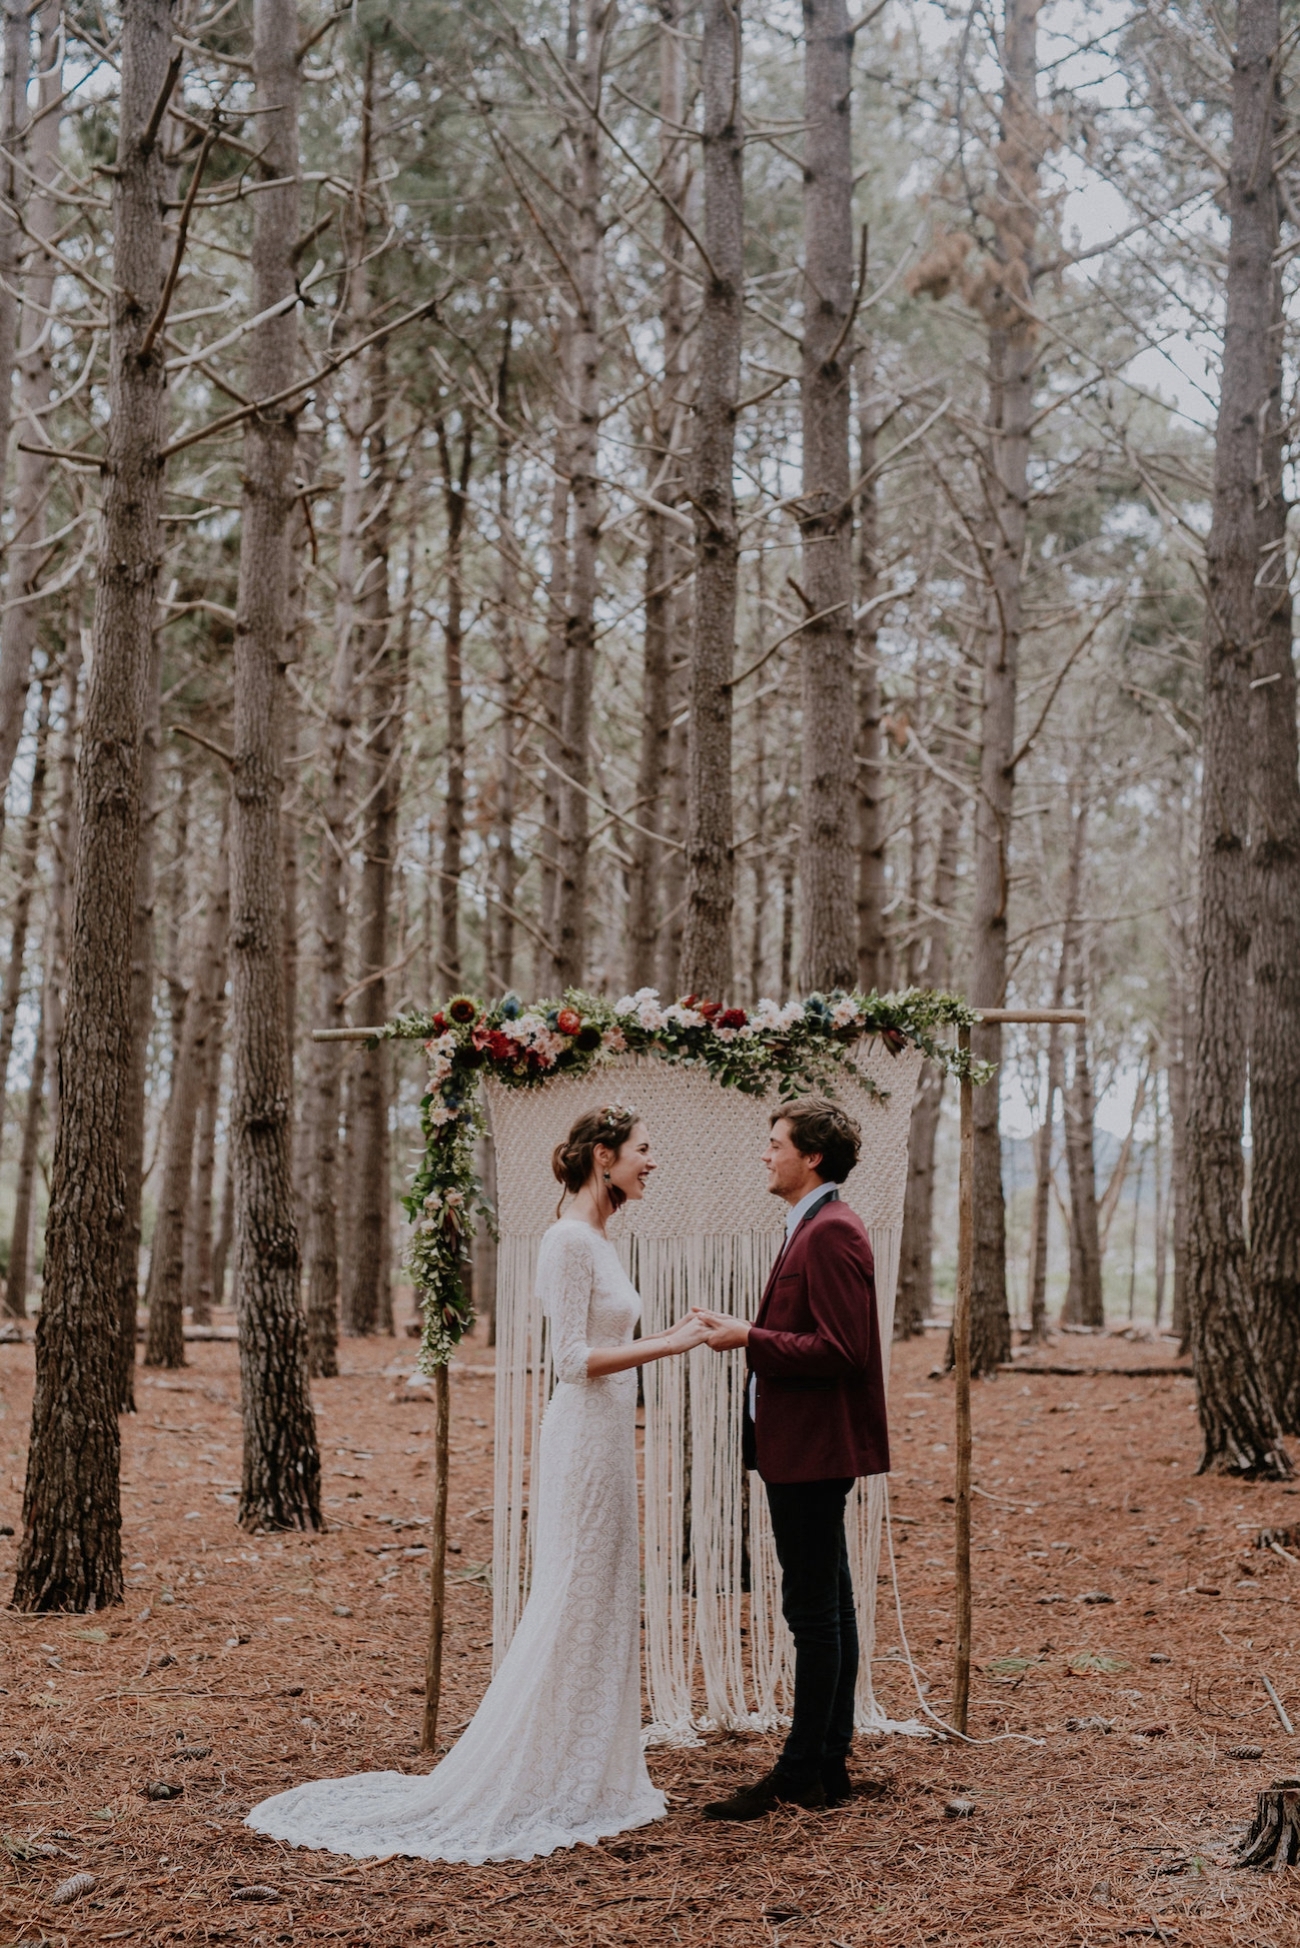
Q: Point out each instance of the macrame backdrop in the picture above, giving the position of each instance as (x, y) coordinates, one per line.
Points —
(706, 1234)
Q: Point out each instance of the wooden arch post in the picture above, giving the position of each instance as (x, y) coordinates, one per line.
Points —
(438, 1519)
(961, 1315)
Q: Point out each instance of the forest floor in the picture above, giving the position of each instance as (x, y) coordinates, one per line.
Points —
(239, 1665)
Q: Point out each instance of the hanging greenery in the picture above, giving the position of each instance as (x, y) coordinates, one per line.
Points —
(793, 1048)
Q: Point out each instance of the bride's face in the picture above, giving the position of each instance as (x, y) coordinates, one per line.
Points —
(631, 1168)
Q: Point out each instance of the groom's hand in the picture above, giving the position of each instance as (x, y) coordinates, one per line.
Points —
(724, 1334)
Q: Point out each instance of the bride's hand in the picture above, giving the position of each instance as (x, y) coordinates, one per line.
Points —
(689, 1333)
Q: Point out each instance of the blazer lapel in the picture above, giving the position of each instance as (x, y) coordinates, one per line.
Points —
(831, 1197)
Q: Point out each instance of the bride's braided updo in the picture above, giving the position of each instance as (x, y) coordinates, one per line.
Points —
(574, 1160)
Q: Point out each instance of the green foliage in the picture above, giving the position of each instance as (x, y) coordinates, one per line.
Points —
(801, 1046)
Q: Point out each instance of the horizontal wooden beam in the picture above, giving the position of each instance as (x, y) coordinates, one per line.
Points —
(1077, 1016)
(342, 1034)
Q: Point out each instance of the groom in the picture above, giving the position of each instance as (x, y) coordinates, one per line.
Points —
(814, 1421)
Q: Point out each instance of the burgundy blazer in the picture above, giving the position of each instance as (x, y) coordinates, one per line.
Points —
(819, 1411)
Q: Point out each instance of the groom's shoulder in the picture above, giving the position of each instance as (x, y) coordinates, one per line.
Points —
(838, 1227)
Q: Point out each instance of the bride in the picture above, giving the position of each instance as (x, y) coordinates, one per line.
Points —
(553, 1755)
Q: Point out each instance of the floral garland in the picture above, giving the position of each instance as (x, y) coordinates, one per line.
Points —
(795, 1047)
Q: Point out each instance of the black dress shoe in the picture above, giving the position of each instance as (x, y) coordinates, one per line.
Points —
(836, 1783)
(751, 1802)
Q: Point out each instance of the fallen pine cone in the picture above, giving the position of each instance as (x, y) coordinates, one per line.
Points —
(256, 1893)
(1245, 1752)
(193, 1752)
(1090, 1724)
(71, 1889)
(161, 1789)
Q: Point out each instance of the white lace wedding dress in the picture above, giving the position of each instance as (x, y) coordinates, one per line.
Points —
(553, 1755)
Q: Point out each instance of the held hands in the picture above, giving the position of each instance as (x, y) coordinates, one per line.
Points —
(720, 1332)
(688, 1334)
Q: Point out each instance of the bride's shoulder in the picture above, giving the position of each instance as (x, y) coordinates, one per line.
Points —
(568, 1236)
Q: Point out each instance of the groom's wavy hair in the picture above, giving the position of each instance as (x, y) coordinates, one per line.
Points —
(574, 1160)
(821, 1128)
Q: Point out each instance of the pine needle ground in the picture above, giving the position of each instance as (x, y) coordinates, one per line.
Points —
(242, 1664)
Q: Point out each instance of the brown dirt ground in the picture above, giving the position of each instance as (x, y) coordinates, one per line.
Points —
(281, 1658)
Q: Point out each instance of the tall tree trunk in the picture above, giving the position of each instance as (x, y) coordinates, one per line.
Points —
(367, 1279)
(710, 864)
(197, 1293)
(71, 1552)
(455, 497)
(18, 1276)
(27, 550)
(672, 873)
(281, 1473)
(1275, 938)
(663, 467)
(1239, 1423)
(1084, 1303)
(225, 1228)
(505, 869)
(322, 1122)
(1012, 362)
(1179, 1032)
(165, 1341)
(869, 763)
(557, 607)
(828, 947)
(1083, 1300)
(21, 909)
(915, 1302)
(142, 995)
(570, 932)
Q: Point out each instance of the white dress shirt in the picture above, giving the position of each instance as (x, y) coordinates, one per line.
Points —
(794, 1216)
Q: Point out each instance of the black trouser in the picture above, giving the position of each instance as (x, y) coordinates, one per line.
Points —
(817, 1598)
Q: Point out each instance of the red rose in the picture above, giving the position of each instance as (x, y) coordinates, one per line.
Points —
(440, 1022)
(500, 1047)
(732, 1018)
(708, 1009)
(568, 1021)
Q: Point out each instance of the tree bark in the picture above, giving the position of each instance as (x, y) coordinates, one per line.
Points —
(18, 1276)
(367, 1280)
(706, 967)
(663, 468)
(1012, 363)
(322, 1121)
(915, 1301)
(869, 762)
(27, 550)
(455, 498)
(570, 933)
(1179, 1050)
(1275, 937)
(71, 1555)
(828, 795)
(198, 1295)
(28, 876)
(557, 604)
(142, 997)
(1239, 1423)
(505, 866)
(1084, 1304)
(281, 1473)
(165, 1340)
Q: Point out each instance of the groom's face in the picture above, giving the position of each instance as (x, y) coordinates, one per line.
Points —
(790, 1174)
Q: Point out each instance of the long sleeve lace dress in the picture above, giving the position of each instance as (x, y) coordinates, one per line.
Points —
(552, 1757)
